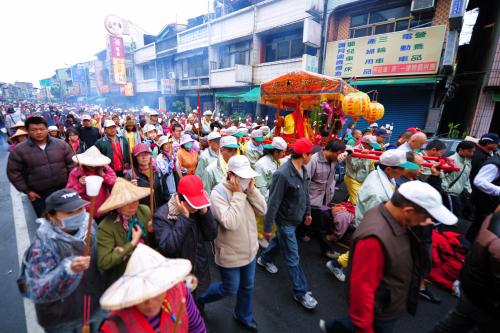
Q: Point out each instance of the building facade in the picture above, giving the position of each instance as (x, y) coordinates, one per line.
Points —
(404, 50)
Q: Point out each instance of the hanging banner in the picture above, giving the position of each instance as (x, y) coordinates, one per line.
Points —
(119, 71)
(407, 52)
(127, 89)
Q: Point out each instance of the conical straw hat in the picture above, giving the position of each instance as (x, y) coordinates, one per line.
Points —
(92, 157)
(148, 274)
(19, 132)
(18, 124)
(123, 193)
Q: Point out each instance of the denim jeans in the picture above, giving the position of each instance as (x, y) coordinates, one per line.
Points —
(287, 241)
(238, 281)
(345, 325)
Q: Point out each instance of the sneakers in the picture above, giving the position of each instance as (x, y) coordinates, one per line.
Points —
(428, 295)
(332, 254)
(269, 266)
(337, 270)
(306, 300)
(456, 288)
(251, 326)
(263, 243)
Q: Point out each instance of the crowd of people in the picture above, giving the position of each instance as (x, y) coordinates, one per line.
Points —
(181, 190)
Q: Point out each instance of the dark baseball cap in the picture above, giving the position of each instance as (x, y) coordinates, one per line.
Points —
(491, 137)
(381, 132)
(64, 200)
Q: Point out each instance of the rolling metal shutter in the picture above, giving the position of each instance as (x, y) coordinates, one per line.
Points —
(405, 106)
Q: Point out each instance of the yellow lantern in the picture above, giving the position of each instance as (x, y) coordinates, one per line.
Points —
(375, 112)
(356, 104)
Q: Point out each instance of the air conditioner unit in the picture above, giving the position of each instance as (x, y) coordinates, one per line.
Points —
(421, 6)
(171, 75)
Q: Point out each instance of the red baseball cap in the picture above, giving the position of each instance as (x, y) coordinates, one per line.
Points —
(191, 187)
(303, 146)
(141, 148)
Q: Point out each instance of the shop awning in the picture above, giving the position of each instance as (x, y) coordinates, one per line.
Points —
(252, 95)
(416, 80)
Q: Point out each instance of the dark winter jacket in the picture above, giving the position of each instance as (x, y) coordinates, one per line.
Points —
(480, 275)
(31, 168)
(182, 237)
(88, 136)
(160, 196)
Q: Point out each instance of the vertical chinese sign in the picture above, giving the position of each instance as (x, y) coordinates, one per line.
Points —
(118, 59)
(407, 52)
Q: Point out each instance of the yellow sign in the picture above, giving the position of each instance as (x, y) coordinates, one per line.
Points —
(119, 71)
(408, 52)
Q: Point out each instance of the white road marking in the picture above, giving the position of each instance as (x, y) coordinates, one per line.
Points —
(23, 242)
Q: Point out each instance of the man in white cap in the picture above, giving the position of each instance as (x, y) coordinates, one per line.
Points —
(87, 133)
(153, 120)
(383, 274)
(255, 148)
(377, 188)
(205, 122)
(210, 154)
(115, 147)
(217, 170)
(235, 204)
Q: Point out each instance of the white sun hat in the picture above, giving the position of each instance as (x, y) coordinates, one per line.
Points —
(240, 165)
(148, 274)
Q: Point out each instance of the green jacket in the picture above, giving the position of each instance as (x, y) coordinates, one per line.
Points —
(463, 183)
(265, 167)
(109, 236)
(206, 157)
(212, 176)
(358, 168)
(105, 147)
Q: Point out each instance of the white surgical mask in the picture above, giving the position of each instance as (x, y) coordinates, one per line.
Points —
(74, 222)
(244, 183)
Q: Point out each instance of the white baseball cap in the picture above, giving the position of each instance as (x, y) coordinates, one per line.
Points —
(257, 135)
(213, 136)
(188, 128)
(278, 143)
(207, 113)
(426, 197)
(397, 158)
(240, 165)
(229, 142)
(109, 123)
(148, 128)
(53, 128)
(86, 117)
(153, 113)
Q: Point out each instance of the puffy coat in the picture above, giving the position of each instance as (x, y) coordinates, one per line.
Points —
(31, 168)
(182, 237)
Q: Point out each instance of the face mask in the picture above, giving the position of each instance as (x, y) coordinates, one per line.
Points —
(74, 222)
(188, 145)
(244, 183)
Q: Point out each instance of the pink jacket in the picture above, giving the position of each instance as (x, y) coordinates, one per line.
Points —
(107, 184)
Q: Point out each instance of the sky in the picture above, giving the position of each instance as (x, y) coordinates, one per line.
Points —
(37, 37)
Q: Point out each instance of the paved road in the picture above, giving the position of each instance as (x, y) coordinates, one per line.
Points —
(275, 310)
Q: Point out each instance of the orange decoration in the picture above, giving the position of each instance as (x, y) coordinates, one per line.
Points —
(356, 104)
(375, 112)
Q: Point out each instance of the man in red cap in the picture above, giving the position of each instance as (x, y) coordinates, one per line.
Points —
(289, 206)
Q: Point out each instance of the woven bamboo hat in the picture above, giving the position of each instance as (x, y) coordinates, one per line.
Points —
(147, 275)
(19, 132)
(18, 124)
(123, 193)
(92, 157)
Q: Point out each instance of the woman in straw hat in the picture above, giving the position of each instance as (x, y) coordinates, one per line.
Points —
(55, 274)
(17, 138)
(152, 297)
(123, 228)
(92, 163)
(131, 133)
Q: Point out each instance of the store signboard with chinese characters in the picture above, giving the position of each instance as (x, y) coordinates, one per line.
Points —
(116, 49)
(407, 52)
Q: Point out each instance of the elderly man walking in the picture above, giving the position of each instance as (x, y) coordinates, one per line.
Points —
(40, 165)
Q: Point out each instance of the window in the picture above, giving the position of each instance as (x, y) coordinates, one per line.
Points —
(195, 66)
(385, 21)
(234, 54)
(284, 46)
(148, 71)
